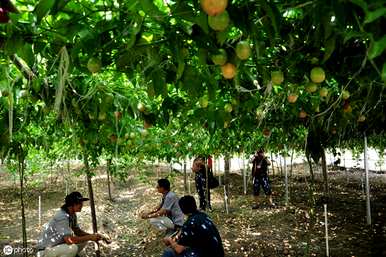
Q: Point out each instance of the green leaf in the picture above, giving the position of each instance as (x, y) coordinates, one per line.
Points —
(150, 8)
(159, 83)
(202, 21)
(372, 16)
(26, 54)
(384, 72)
(360, 3)
(377, 47)
(330, 47)
(43, 8)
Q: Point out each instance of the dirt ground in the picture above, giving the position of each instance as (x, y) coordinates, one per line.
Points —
(292, 230)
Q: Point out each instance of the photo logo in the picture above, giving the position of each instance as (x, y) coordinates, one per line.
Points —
(8, 250)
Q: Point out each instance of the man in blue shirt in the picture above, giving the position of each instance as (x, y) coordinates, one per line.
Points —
(198, 237)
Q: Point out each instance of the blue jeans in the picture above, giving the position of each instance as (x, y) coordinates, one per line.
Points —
(187, 253)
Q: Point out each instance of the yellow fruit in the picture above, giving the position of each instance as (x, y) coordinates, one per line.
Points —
(292, 98)
(214, 7)
(302, 114)
(317, 75)
(228, 71)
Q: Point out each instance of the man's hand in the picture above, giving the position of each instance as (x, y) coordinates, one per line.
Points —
(168, 241)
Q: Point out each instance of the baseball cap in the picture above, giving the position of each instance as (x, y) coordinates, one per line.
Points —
(74, 197)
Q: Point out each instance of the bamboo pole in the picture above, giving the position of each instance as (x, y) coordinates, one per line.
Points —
(368, 207)
(326, 230)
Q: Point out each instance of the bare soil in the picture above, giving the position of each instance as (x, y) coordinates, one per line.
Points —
(297, 229)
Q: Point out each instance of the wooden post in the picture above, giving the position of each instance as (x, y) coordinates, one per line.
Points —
(286, 179)
(185, 178)
(226, 200)
(368, 207)
(326, 230)
(244, 177)
(92, 202)
(40, 211)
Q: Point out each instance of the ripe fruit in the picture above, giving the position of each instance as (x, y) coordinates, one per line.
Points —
(277, 77)
(117, 115)
(94, 65)
(302, 114)
(292, 98)
(311, 87)
(347, 108)
(333, 131)
(266, 132)
(113, 138)
(147, 125)
(323, 92)
(141, 107)
(361, 118)
(204, 101)
(220, 58)
(317, 75)
(345, 94)
(228, 71)
(243, 50)
(219, 22)
(213, 7)
(228, 107)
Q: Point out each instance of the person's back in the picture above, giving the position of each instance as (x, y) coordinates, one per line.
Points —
(200, 233)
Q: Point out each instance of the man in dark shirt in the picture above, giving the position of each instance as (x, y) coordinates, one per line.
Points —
(198, 237)
(260, 177)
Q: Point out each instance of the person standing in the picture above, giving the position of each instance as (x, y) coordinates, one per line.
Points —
(167, 215)
(260, 165)
(198, 237)
(199, 170)
(62, 236)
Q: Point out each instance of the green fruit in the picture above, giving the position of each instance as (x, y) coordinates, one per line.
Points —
(243, 50)
(345, 94)
(94, 65)
(277, 77)
(323, 92)
(220, 58)
(219, 22)
(144, 133)
(204, 101)
(228, 107)
(102, 116)
(141, 107)
(317, 75)
(311, 87)
(132, 135)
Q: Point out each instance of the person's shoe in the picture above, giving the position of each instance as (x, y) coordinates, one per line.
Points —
(255, 207)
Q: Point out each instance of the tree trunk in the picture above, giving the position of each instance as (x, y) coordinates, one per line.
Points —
(324, 169)
(185, 178)
(92, 202)
(108, 178)
(273, 165)
(292, 158)
(21, 168)
(227, 168)
(281, 167)
(311, 170)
